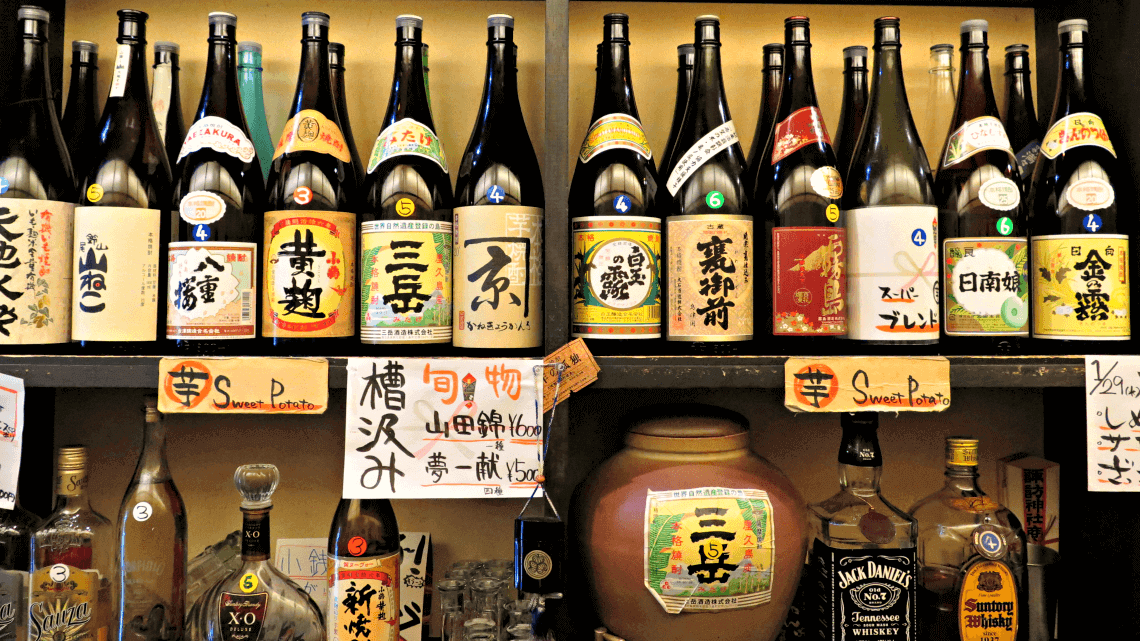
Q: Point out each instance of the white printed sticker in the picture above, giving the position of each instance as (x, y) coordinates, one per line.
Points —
(201, 208)
(119, 74)
(827, 182)
(160, 95)
(1090, 194)
(1000, 193)
(708, 146)
(142, 511)
(218, 134)
(11, 437)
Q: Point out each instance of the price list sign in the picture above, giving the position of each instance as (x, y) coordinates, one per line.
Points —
(1112, 415)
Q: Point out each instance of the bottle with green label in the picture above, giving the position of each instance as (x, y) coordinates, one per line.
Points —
(253, 102)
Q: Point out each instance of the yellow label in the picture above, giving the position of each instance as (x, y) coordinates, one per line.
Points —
(248, 582)
(867, 384)
(405, 288)
(364, 598)
(68, 603)
(617, 267)
(711, 267)
(615, 131)
(310, 130)
(243, 385)
(987, 604)
(1076, 130)
(310, 274)
(95, 192)
(1080, 287)
(115, 274)
(35, 271)
(71, 483)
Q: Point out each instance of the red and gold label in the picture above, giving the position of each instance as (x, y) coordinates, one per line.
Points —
(310, 130)
(1076, 130)
(800, 129)
(987, 604)
(35, 271)
(364, 598)
(68, 603)
(809, 281)
(710, 278)
(310, 273)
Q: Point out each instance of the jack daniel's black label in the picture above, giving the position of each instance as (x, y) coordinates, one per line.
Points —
(865, 594)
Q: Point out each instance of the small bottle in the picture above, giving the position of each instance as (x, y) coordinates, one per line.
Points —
(854, 105)
(686, 58)
(253, 102)
(336, 81)
(770, 90)
(364, 558)
(16, 528)
(941, 94)
(1019, 117)
(166, 98)
(81, 114)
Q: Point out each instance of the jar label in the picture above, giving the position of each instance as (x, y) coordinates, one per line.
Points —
(867, 593)
(711, 274)
(407, 137)
(615, 131)
(709, 548)
(211, 291)
(13, 605)
(1000, 193)
(220, 135)
(1076, 130)
(1090, 194)
(708, 146)
(310, 274)
(801, 128)
(242, 616)
(809, 281)
(310, 130)
(987, 286)
(1080, 287)
(405, 294)
(35, 271)
(364, 598)
(617, 267)
(68, 603)
(987, 604)
(973, 137)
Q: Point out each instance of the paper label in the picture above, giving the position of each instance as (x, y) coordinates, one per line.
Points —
(827, 182)
(987, 286)
(220, 135)
(1076, 130)
(988, 603)
(11, 444)
(711, 271)
(1000, 193)
(115, 282)
(310, 130)
(867, 384)
(1080, 287)
(893, 273)
(498, 276)
(617, 268)
(243, 385)
(809, 282)
(13, 605)
(407, 137)
(310, 274)
(615, 131)
(119, 82)
(364, 598)
(975, 136)
(1111, 400)
(405, 268)
(201, 208)
(1090, 194)
(68, 603)
(160, 95)
(709, 548)
(801, 128)
(211, 292)
(867, 593)
(242, 616)
(35, 271)
(708, 146)
(581, 370)
(1027, 159)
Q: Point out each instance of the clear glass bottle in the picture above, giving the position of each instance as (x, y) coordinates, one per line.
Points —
(451, 592)
(16, 527)
(941, 98)
(213, 564)
(253, 102)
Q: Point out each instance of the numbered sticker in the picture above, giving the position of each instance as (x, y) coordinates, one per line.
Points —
(405, 207)
(357, 545)
(918, 237)
(1005, 225)
(59, 573)
(1092, 223)
(302, 195)
(714, 199)
(248, 582)
(142, 511)
(4, 184)
(622, 203)
(201, 232)
(95, 193)
(496, 194)
(833, 213)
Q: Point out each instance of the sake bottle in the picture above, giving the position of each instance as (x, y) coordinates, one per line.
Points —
(81, 114)
(854, 106)
(773, 72)
(336, 81)
(1018, 115)
(686, 57)
(166, 98)
(253, 102)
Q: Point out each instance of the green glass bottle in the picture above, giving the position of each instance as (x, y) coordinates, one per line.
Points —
(253, 102)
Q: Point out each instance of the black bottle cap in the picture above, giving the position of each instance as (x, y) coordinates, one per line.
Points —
(132, 25)
(860, 444)
(855, 57)
(773, 56)
(336, 55)
(797, 30)
(616, 27)
(887, 31)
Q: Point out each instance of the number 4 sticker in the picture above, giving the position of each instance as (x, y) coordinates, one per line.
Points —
(918, 237)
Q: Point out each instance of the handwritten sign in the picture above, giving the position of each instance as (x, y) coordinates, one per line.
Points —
(243, 385)
(1112, 421)
(11, 437)
(867, 384)
(581, 370)
(441, 428)
(306, 562)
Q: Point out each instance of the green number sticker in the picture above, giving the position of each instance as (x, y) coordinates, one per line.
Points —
(1005, 225)
(714, 199)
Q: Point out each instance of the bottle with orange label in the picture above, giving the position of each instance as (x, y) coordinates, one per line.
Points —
(363, 558)
(309, 293)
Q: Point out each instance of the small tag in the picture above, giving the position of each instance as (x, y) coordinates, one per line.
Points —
(243, 385)
(120, 70)
(865, 383)
(581, 370)
(11, 437)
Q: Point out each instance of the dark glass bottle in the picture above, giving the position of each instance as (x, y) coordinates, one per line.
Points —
(686, 58)
(336, 81)
(166, 99)
(81, 114)
(854, 107)
(888, 199)
(773, 72)
(406, 225)
(309, 296)
(121, 222)
(709, 308)
(253, 102)
(1019, 117)
(1079, 242)
(499, 205)
(364, 555)
(804, 241)
(981, 218)
(427, 85)
(615, 224)
(16, 527)
(214, 259)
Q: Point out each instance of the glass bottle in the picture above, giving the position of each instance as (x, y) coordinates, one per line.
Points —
(16, 528)
(1019, 117)
(770, 90)
(406, 229)
(336, 81)
(213, 564)
(364, 571)
(257, 601)
(708, 214)
(218, 191)
(941, 99)
(427, 86)
(253, 102)
(499, 204)
(888, 199)
(72, 561)
(121, 221)
(81, 114)
(151, 554)
(863, 554)
(854, 107)
(615, 224)
(1080, 242)
(686, 58)
(451, 593)
(971, 557)
(486, 604)
(166, 99)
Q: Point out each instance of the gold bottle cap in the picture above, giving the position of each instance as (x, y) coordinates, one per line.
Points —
(150, 409)
(962, 451)
(73, 458)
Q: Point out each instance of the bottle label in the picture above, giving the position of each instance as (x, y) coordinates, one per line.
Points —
(1000, 193)
(809, 283)
(211, 291)
(987, 286)
(35, 271)
(1090, 194)
(892, 279)
(711, 273)
(119, 80)
(242, 616)
(801, 128)
(13, 605)
(310, 130)
(708, 146)
(498, 276)
(1027, 159)
(201, 208)
(827, 182)
(160, 96)
(987, 604)
(617, 269)
(709, 548)
(1076, 130)
(68, 603)
(115, 282)
(867, 593)
(364, 598)
(72, 483)
(310, 274)
(220, 135)
(405, 295)
(973, 137)
(615, 131)
(1080, 287)
(406, 137)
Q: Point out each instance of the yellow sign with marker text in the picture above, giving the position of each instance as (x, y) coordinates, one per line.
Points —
(867, 384)
(243, 385)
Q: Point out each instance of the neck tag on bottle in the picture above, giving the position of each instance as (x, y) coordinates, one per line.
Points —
(708, 146)
(310, 130)
(160, 94)
(1076, 130)
(121, 71)
(974, 137)
(615, 131)
(220, 135)
(407, 137)
(867, 384)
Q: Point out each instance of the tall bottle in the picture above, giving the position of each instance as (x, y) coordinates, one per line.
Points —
(1080, 253)
(364, 558)
(892, 219)
(37, 190)
(151, 555)
(800, 186)
(16, 528)
(1018, 116)
(770, 90)
(686, 58)
(72, 561)
(499, 206)
(121, 221)
(81, 114)
(427, 85)
(166, 98)
(615, 223)
(854, 107)
(941, 99)
(709, 248)
(336, 81)
(309, 297)
(218, 192)
(406, 229)
(253, 102)
(864, 547)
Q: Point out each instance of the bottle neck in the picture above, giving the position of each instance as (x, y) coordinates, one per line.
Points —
(706, 95)
(71, 490)
(409, 93)
(1071, 87)
(859, 479)
(888, 100)
(314, 89)
(135, 86)
(860, 460)
(152, 466)
(83, 71)
(962, 478)
(255, 534)
(500, 91)
(975, 92)
(799, 86)
(221, 85)
(614, 90)
(35, 83)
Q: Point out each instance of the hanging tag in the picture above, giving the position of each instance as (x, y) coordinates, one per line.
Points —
(580, 370)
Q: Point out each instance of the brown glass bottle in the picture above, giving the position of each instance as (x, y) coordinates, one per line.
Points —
(1018, 116)
(336, 81)
(686, 58)
(773, 71)
(81, 114)
(364, 552)
(854, 107)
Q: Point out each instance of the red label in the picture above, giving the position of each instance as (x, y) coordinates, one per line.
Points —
(809, 281)
(802, 128)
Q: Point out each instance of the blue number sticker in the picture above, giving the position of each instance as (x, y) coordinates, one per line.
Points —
(201, 232)
(1092, 223)
(4, 184)
(918, 237)
(622, 203)
(496, 194)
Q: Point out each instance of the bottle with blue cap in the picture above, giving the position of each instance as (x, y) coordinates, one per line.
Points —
(81, 113)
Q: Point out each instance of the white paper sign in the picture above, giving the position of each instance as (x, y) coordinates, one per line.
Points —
(423, 428)
(11, 437)
(1112, 413)
(306, 562)
(415, 568)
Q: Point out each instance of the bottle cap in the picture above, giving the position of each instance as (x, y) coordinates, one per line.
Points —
(887, 31)
(708, 18)
(170, 47)
(1017, 49)
(256, 483)
(616, 17)
(407, 20)
(857, 51)
(1076, 24)
(249, 45)
(615, 28)
(707, 30)
(962, 451)
(72, 458)
(942, 47)
(318, 18)
(686, 50)
(796, 21)
(84, 45)
(132, 15)
(28, 12)
(974, 25)
(337, 48)
(500, 20)
(221, 17)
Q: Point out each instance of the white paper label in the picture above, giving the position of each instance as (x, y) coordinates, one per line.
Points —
(119, 74)
(160, 95)
(218, 134)
(1090, 194)
(1112, 401)
(1001, 194)
(708, 146)
(305, 561)
(201, 208)
(11, 437)
(142, 511)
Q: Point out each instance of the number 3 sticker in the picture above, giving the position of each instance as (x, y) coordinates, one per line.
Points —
(248, 582)
(142, 511)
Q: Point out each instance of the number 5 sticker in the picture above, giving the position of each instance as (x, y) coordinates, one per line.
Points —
(248, 582)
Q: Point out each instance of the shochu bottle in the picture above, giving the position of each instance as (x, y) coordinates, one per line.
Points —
(1079, 252)
(166, 99)
(253, 102)
(363, 556)
(405, 233)
(1019, 117)
(854, 107)
(218, 193)
(981, 217)
(615, 226)
(499, 215)
(709, 234)
(81, 114)
(310, 221)
(769, 102)
(336, 81)
(686, 58)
